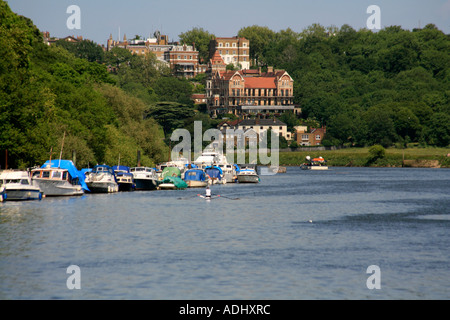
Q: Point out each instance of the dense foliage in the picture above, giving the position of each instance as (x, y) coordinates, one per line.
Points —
(366, 87)
(47, 93)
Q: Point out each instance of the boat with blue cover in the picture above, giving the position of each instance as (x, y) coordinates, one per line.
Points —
(124, 178)
(215, 173)
(59, 178)
(196, 178)
(102, 179)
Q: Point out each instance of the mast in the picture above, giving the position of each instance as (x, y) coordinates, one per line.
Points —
(62, 146)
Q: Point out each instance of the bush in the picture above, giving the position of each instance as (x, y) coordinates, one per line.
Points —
(376, 152)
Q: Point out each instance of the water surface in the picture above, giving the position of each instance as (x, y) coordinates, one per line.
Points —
(297, 235)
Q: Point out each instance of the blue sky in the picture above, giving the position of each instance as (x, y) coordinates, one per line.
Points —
(100, 18)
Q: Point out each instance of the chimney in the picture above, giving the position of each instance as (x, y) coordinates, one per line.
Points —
(269, 69)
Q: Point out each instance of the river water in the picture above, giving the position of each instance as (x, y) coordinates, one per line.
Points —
(295, 235)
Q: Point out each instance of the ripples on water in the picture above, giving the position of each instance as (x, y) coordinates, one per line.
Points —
(299, 235)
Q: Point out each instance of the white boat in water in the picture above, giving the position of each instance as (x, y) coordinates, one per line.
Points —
(59, 178)
(247, 176)
(314, 164)
(145, 178)
(211, 158)
(102, 180)
(17, 185)
(124, 178)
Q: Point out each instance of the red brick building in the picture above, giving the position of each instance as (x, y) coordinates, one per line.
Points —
(248, 91)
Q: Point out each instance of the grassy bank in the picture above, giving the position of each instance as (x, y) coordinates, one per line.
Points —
(358, 157)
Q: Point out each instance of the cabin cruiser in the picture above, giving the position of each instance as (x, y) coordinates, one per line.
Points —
(102, 180)
(17, 185)
(247, 176)
(124, 178)
(59, 178)
(145, 178)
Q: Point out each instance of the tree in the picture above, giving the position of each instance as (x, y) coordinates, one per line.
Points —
(170, 115)
(259, 38)
(200, 38)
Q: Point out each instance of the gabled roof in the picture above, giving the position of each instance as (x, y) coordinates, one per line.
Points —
(260, 82)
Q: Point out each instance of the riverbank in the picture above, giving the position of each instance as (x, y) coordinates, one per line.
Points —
(359, 157)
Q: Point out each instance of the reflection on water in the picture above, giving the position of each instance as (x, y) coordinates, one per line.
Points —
(298, 235)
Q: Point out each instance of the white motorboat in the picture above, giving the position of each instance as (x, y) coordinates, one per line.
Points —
(145, 178)
(102, 180)
(17, 185)
(247, 176)
(59, 178)
(211, 158)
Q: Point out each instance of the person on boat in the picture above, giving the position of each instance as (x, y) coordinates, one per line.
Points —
(208, 192)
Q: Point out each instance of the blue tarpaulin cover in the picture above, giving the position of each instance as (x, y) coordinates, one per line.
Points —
(214, 172)
(195, 175)
(73, 171)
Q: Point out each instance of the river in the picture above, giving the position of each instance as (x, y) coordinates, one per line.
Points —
(295, 235)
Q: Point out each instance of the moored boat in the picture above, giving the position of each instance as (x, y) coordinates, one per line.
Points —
(214, 173)
(145, 178)
(247, 176)
(102, 180)
(59, 178)
(171, 179)
(195, 178)
(17, 185)
(124, 178)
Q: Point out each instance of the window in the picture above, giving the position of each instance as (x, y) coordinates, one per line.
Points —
(57, 175)
(234, 45)
(45, 174)
(281, 128)
(220, 45)
(318, 137)
(227, 44)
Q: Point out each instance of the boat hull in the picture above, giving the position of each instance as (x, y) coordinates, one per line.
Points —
(55, 188)
(22, 194)
(103, 187)
(196, 184)
(126, 186)
(167, 186)
(248, 178)
(145, 184)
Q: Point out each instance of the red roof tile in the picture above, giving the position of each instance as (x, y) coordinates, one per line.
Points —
(260, 82)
